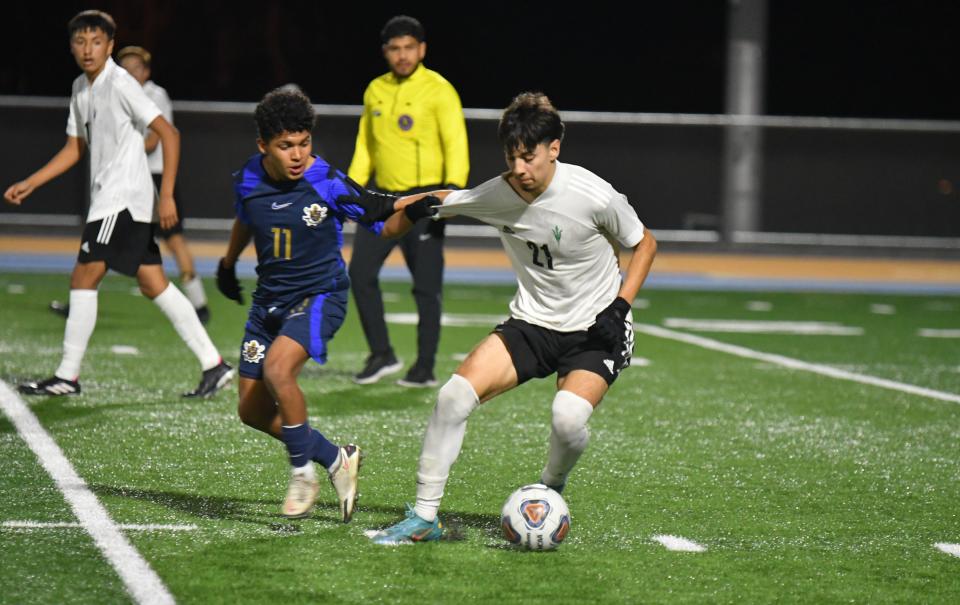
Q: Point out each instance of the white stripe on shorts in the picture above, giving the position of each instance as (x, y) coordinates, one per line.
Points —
(106, 229)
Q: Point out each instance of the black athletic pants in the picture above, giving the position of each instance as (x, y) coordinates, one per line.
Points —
(422, 250)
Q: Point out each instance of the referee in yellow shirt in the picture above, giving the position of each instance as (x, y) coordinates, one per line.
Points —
(412, 138)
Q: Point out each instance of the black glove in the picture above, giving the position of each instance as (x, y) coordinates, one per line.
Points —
(227, 282)
(609, 327)
(422, 208)
(376, 206)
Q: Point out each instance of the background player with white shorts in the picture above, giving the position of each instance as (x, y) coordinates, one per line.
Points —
(571, 315)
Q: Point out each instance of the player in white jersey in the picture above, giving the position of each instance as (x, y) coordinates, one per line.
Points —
(136, 60)
(109, 113)
(560, 225)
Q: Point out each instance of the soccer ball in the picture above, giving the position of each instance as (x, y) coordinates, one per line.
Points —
(535, 517)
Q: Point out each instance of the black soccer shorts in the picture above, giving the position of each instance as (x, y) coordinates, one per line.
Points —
(538, 352)
(121, 242)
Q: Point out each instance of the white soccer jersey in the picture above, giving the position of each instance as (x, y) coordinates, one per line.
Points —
(561, 244)
(111, 116)
(159, 96)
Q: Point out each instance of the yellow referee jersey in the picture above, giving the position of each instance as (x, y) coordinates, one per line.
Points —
(412, 133)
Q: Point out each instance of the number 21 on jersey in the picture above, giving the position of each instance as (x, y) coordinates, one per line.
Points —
(536, 254)
(282, 240)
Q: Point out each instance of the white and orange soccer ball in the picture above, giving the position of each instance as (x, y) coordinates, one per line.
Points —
(535, 517)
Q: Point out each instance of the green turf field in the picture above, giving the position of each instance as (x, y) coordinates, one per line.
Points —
(801, 487)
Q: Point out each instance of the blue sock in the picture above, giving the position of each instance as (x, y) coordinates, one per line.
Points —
(322, 450)
(305, 443)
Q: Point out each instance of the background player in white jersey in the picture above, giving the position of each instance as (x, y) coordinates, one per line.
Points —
(559, 225)
(137, 60)
(108, 114)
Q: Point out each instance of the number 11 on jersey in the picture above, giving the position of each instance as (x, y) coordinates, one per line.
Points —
(282, 236)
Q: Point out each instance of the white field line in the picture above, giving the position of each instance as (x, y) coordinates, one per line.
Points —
(934, 333)
(794, 364)
(748, 326)
(71, 525)
(139, 578)
(448, 319)
(950, 549)
(676, 543)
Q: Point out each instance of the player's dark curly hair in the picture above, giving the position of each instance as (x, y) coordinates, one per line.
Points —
(91, 20)
(402, 25)
(530, 119)
(283, 109)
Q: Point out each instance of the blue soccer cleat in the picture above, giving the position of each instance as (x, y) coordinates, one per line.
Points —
(411, 530)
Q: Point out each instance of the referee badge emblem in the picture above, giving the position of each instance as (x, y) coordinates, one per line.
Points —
(252, 351)
(314, 214)
(405, 122)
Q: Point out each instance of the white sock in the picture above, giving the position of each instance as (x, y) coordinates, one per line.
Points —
(568, 436)
(193, 288)
(336, 463)
(184, 319)
(442, 443)
(76, 334)
(306, 470)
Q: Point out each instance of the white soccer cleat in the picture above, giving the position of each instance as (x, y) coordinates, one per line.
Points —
(344, 480)
(301, 496)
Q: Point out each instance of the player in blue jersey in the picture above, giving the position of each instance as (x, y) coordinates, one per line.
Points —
(292, 204)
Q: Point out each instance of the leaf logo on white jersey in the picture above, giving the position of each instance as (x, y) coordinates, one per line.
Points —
(314, 214)
(557, 232)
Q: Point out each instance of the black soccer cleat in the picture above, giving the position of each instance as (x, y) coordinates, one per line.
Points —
(212, 380)
(60, 308)
(51, 386)
(418, 377)
(378, 365)
(203, 313)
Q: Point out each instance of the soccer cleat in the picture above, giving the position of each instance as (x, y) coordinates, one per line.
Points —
(60, 308)
(557, 488)
(203, 313)
(301, 495)
(418, 377)
(212, 380)
(378, 365)
(51, 386)
(344, 480)
(411, 530)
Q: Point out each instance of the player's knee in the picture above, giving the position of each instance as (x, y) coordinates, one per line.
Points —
(277, 375)
(247, 416)
(456, 399)
(570, 415)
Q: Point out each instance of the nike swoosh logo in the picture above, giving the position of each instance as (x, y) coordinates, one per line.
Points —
(295, 315)
(277, 206)
(424, 237)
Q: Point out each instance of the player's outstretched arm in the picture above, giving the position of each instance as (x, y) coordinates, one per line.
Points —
(65, 159)
(170, 137)
(409, 210)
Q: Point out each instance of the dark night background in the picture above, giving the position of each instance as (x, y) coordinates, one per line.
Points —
(834, 58)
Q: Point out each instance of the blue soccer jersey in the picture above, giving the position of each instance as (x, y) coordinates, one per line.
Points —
(297, 229)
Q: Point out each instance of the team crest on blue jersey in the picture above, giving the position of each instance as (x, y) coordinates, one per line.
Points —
(314, 214)
(252, 351)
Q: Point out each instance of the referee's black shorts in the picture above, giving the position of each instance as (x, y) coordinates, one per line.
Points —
(121, 242)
